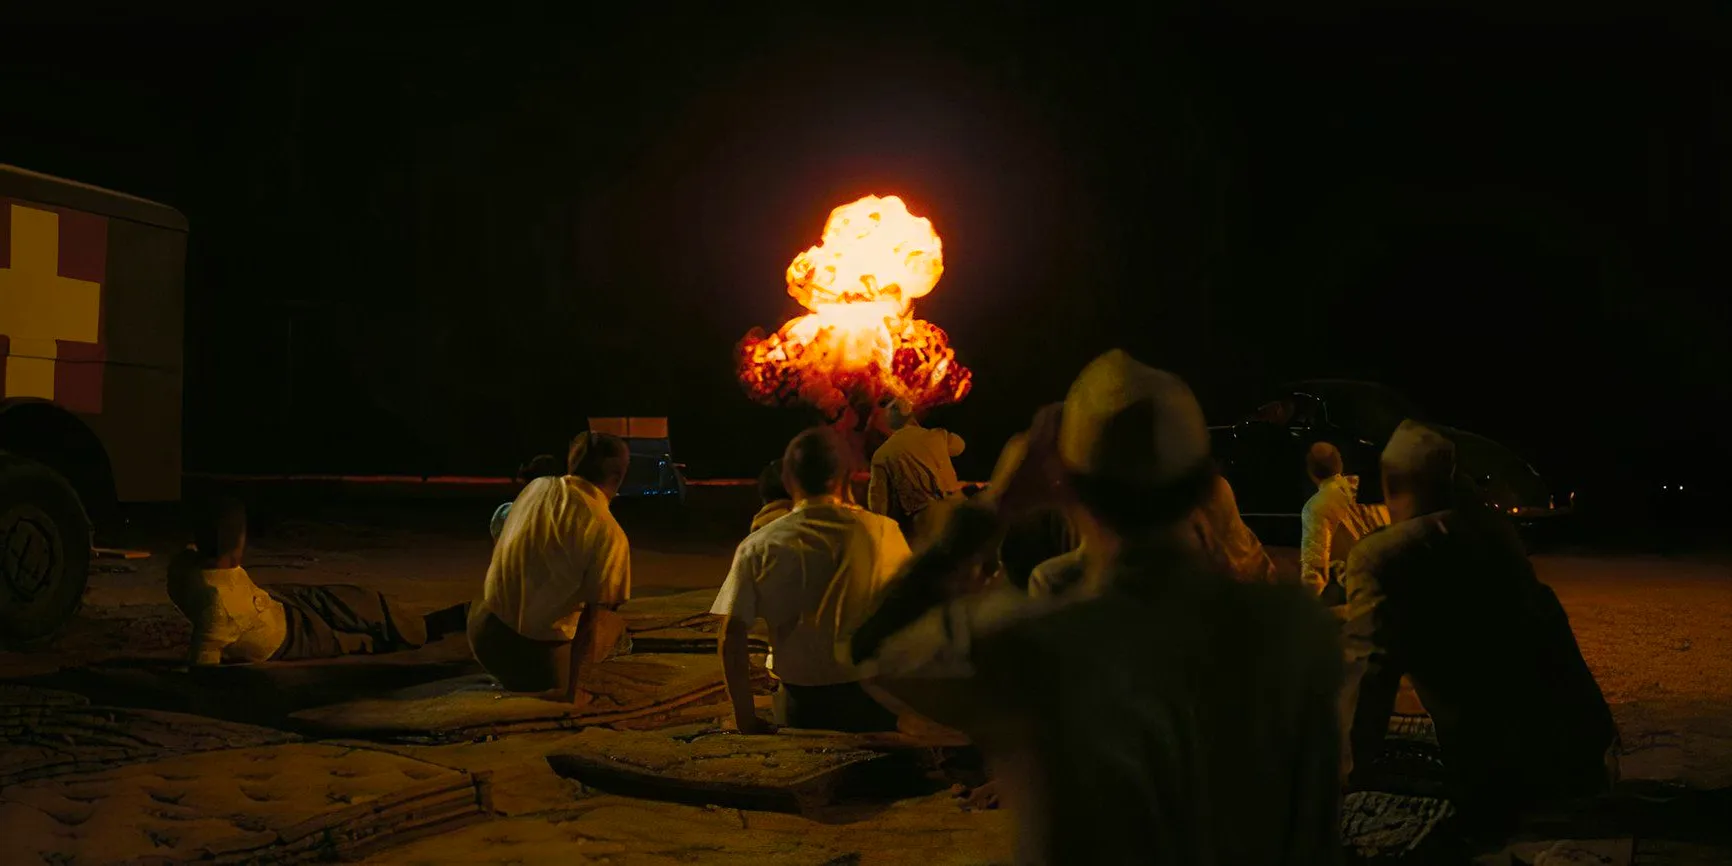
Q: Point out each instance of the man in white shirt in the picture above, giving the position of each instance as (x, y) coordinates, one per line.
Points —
(812, 576)
(1331, 523)
(912, 480)
(540, 466)
(234, 620)
(560, 568)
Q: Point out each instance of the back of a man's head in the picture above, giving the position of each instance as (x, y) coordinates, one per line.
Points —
(599, 458)
(540, 466)
(1418, 466)
(1135, 445)
(815, 463)
(897, 412)
(1322, 462)
(770, 485)
(219, 527)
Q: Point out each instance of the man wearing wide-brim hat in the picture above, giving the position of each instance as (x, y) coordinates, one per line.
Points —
(1445, 595)
(1166, 714)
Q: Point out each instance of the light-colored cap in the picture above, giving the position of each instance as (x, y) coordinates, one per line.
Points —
(1129, 422)
(1416, 450)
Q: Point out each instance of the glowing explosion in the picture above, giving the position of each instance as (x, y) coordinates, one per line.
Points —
(860, 341)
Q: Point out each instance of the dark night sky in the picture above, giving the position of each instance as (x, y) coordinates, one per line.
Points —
(437, 246)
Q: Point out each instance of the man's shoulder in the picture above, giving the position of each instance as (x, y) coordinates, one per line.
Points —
(873, 522)
(1389, 542)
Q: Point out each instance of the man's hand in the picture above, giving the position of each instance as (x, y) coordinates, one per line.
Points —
(1029, 474)
(754, 725)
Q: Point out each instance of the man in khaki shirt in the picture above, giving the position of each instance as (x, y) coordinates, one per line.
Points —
(913, 481)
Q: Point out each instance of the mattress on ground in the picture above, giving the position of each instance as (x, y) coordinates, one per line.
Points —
(790, 771)
(260, 693)
(680, 610)
(45, 734)
(280, 804)
(626, 689)
(1377, 824)
(700, 638)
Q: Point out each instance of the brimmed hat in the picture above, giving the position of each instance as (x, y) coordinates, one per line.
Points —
(1130, 424)
(1418, 451)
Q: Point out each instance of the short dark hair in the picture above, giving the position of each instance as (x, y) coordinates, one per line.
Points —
(770, 486)
(218, 525)
(815, 461)
(599, 458)
(1322, 461)
(540, 466)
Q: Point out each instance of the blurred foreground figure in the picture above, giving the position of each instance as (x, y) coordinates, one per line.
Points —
(1331, 523)
(1225, 536)
(1446, 595)
(1221, 534)
(540, 466)
(1037, 547)
(1167, 714)
(811, 575)
(773, 498)
(234, 620)
(560, 568)
(912, 480)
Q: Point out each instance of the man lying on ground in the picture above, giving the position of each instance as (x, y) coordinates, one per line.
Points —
(234, 620)
(540, 466)
(1445, 594)
(1170, 714)
(560, 569)
(811, 576)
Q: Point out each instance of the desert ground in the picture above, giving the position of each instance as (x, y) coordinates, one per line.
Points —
(1654, 630)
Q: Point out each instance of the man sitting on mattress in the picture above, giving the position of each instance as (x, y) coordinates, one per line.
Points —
(560, 568)
(234, 620)
(811, 576)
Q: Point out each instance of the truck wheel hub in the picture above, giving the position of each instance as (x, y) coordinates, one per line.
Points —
(29, 551)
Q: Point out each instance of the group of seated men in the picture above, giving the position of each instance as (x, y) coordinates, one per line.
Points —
(1146, 693)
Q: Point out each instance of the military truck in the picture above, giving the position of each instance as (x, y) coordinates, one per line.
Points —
(91, 287)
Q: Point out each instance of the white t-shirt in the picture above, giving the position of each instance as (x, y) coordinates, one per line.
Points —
(560, 549)
(812, 576)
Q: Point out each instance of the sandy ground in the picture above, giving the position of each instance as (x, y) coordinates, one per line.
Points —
(1655, 631)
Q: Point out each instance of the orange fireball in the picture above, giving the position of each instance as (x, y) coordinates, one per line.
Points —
(860, 341)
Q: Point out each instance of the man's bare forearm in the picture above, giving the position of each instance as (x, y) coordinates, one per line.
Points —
(737, 674)
(580, 641)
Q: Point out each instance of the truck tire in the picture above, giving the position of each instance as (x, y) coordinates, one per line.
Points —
(44, 551)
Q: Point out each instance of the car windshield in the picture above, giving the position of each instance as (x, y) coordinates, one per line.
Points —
(1368, 410)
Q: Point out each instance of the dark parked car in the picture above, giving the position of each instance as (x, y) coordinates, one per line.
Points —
(1263, 455)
